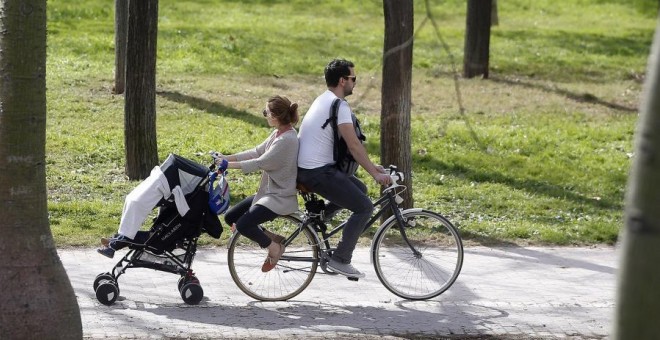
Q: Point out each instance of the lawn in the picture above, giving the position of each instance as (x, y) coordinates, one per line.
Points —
(537, 154)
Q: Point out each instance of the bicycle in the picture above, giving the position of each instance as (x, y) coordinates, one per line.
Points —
(417, 253)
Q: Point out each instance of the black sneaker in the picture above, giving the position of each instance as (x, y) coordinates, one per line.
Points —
(116, 242)
(345, 269)
(119, 241)
(106, 251)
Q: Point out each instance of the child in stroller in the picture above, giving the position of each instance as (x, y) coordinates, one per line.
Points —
(189, 196)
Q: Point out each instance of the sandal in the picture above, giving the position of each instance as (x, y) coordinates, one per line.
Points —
(274, 255)
(274, 237)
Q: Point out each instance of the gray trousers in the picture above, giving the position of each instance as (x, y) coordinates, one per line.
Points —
(347, 192)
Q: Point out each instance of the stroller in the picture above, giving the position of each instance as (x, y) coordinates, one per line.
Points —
(171, 243)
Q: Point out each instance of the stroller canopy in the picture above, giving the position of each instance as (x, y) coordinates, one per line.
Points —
(183, 172)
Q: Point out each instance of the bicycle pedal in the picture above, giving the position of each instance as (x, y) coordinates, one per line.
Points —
(352, 278)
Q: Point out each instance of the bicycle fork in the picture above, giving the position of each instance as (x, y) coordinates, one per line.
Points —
(401, 223)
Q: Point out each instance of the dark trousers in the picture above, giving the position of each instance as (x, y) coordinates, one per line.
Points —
(347, 192)
(248, 217)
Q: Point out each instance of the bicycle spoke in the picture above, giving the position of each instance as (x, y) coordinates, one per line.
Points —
(418, 266)
(293, 273)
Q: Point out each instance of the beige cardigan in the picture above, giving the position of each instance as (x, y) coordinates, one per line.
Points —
(277, 157)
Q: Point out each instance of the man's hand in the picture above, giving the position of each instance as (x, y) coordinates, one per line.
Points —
(382, 178)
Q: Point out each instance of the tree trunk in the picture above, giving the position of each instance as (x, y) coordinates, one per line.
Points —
(396, 90)
(140, 98)
(36, 297)
(494, 16)
(477, 38)
(638, 296)
(121, 35)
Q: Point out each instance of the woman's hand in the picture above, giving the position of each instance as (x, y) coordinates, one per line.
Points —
(219, 160)
(222, 164)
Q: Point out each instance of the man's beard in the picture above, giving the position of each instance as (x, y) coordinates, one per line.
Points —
(348, 92)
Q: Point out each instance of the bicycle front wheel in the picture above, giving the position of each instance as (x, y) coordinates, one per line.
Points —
(294, 271)
(420, 259)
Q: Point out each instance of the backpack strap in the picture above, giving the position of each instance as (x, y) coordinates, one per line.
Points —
(334, 109)
(358, 130)
(332, 119)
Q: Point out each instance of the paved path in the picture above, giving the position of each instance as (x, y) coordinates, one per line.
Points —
(502, 293)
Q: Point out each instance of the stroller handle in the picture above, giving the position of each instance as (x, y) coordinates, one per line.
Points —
(218, 161)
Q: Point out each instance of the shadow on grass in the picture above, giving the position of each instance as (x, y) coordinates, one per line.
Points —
(570, 56)
(215, 108)
(532, 186)
(634, 43)
(644, 7)
(584, 97)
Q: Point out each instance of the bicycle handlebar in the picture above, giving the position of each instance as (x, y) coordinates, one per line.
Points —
(396, 177)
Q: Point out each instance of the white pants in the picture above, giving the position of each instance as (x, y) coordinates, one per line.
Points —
(142, 200)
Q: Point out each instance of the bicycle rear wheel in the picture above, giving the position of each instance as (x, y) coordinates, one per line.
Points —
(294, 271)
(426, 265)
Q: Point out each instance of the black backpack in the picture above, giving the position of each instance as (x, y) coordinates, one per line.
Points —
(344, 161)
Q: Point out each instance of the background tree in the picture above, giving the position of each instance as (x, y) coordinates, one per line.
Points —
(140, 97)
(396, 89)
(121, 35)
(638, 296)
(494, 17)
(37, 299)
(477, 38)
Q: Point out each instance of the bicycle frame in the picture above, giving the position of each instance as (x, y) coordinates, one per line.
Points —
(387, 200)
(401, 240)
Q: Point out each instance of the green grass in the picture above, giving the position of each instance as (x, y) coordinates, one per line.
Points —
(540, 155)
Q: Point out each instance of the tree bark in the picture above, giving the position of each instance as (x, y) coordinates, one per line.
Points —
(36, 297)
(140, 97)
(638, 296)
(396, 90)
(121, 36)
(477, 38)
(494, 16)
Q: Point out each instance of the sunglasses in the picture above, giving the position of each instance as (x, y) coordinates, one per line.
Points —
(266, 113)
(354, 78)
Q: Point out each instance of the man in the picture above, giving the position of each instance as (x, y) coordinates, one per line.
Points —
(316, 169)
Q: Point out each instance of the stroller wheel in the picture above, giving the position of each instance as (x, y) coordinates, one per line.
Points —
(192, 293)
(107, 292)
(185, 279)
(102, 276)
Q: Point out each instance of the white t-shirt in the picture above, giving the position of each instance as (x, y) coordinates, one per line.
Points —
(316, 143)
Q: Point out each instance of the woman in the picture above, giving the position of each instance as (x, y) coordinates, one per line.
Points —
(276, 157)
